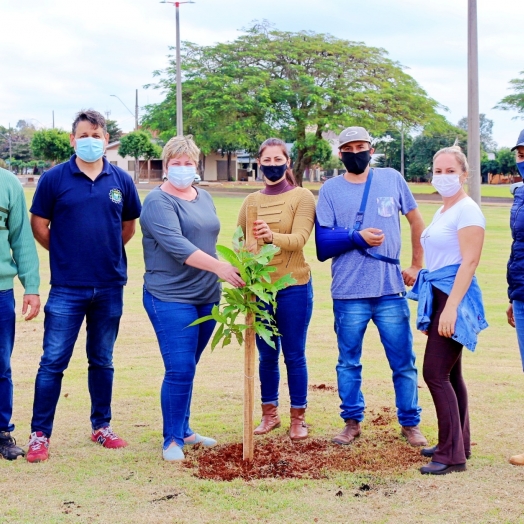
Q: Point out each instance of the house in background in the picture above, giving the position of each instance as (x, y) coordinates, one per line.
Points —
(213, 167)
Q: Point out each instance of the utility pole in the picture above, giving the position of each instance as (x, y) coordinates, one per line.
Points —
(402, 150)
(473, 105)
(179, 117)
(136, 127)
(53, 119)
(136, 111)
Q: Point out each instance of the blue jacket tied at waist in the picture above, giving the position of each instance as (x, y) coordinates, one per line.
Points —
(470, 312)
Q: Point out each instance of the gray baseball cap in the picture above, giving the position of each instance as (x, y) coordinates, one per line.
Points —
(353, 134)
(520, 141)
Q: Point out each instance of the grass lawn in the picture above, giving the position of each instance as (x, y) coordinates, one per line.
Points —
(83, 482)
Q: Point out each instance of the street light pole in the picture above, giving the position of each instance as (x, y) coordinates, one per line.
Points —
(136, 126)
(135, 114)
(179, 116)
(473, 105)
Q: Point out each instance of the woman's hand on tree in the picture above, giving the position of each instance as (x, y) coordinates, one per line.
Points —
(262, 230)
(230, 274)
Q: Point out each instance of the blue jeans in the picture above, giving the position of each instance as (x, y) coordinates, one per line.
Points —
(181, 348)
(391, 316)
(65, 311)
(518, 313)
(294, 308)
(7, 340)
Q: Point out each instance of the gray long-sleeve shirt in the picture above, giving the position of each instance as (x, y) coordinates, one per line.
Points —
(173, 229)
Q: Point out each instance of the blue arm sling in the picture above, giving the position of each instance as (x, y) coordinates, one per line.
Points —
(332, 242)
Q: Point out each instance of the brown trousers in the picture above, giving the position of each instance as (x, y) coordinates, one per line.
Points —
(443, 374)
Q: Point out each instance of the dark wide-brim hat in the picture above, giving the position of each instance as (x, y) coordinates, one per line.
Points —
(520, 141)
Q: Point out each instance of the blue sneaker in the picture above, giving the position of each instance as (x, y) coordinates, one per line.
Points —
(195, 438)
(173, 453)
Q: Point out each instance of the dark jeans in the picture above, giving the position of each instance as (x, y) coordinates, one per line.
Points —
(181, 348)
(443, 375)
(65, 311)
(7, 340)
(294, 308)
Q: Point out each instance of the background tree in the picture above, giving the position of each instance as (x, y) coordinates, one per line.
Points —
(52, 145)
(515, 101)
(391, 149)
(269, 82)
(434, 137)
(138, 144)
(20, 137)
(486, 132)
(318, 151)
(114, 130)
(506, 161)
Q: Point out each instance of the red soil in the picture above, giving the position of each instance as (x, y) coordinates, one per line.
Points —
(379, 450)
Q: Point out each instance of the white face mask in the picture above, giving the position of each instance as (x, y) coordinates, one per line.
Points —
(447, 185)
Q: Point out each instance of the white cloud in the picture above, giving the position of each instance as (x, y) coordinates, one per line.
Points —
(64, 55)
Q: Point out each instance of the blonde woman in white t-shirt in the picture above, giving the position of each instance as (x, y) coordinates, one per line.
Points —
(450, 310)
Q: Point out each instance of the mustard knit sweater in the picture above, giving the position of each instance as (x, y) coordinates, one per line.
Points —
(291, 217)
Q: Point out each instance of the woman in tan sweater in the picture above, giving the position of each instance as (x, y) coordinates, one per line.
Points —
(286, 214)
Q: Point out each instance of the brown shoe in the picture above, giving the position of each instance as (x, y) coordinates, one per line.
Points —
(414, 437)
(298, 428)
(270, 419)
(349, 433)
(517, 460)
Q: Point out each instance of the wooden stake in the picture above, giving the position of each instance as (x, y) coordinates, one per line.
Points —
(249, 346)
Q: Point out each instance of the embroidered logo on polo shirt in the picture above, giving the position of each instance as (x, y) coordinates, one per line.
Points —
(116, 196)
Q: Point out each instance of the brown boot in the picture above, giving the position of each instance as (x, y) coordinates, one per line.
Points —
(270, 419)
(298, 428)
(414, 437)
(349, 433)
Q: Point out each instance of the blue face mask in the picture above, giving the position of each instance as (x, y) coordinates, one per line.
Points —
(89, 149)
(181, 176)
(520, 167)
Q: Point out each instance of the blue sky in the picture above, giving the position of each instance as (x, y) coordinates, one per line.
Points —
(64, 55)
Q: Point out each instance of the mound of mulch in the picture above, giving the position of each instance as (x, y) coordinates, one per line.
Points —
(381, 450)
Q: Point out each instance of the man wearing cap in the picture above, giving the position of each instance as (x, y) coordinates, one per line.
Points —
(18, 257)
(358, 225)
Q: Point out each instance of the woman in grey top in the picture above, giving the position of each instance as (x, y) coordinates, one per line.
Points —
(180, 229)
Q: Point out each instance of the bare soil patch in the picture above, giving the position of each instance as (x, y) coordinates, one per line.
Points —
(323, 388)
(381, 450)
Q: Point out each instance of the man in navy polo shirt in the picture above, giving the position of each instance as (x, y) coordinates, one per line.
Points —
(83, 212)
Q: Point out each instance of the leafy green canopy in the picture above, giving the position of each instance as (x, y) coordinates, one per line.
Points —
(270, 82)
(515, 101)
(51, 144)
(256, 273)
(138, 144)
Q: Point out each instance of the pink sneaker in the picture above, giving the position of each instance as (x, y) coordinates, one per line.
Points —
(107, 438)
(38, 447)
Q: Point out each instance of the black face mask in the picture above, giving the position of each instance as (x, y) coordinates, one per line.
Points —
(273, 173)
(356, 163)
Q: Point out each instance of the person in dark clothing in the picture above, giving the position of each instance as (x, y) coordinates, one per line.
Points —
(515, 273)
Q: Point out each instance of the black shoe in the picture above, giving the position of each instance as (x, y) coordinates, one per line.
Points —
(8, 448)
(436, 468)
(429, 452)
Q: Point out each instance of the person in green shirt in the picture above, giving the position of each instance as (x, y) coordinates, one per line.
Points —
(17, 257)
